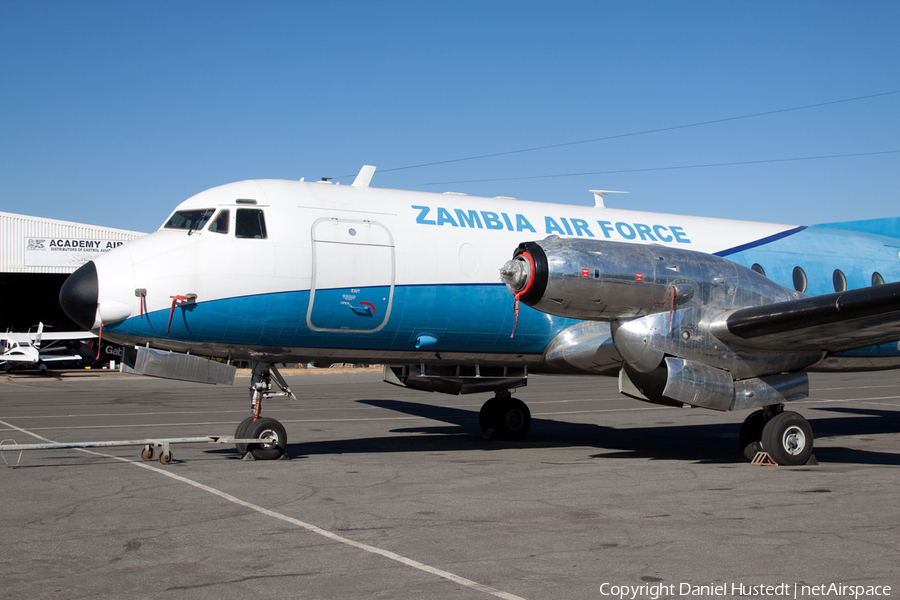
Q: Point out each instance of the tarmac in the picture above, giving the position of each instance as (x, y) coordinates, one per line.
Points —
(393, 493)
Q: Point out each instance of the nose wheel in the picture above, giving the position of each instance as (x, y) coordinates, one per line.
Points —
(270, 433)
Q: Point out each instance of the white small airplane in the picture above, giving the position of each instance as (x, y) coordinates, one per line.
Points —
(460, 294)
(24, 350)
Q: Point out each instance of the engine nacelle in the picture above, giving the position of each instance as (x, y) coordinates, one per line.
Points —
(665, 307)
(607, 281)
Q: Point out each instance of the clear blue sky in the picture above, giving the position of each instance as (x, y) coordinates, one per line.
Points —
(111, 113)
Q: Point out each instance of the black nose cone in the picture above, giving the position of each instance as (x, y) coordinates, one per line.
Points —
(78, 295)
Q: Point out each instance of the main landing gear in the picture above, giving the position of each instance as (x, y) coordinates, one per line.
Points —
(271, 433)
(504, 417)
(784, 434)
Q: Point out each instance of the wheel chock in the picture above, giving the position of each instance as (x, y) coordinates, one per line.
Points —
(763, 458)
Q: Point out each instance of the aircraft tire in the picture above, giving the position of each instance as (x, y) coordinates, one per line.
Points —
(239, 433)
(750, 435)
(487, 416)
(788, 438)
(263, 428)
(512, 418)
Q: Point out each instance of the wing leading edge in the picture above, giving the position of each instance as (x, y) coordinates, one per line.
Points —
(832, 323)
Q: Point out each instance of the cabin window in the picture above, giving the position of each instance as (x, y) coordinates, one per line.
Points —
(877, 279)
(250, 223)
(191, 220)
(839, 280)
(799, 279)
(758, 268)
(220, 223)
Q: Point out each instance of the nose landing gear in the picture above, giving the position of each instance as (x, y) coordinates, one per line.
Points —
(271, 433)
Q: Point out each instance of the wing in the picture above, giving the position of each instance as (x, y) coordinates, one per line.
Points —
(28, 338)
(67, 335)
(19, 338)
(56, 357)
(831, 323)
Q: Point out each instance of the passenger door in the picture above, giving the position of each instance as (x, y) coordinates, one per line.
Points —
(353, 272)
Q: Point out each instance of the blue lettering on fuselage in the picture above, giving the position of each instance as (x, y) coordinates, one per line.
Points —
(423, 210)
(476, 219)
(647, 233)
(484, 219)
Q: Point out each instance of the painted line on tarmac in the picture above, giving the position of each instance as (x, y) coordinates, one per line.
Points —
(298, 523)
(437, 418)
(242, 411)
(847, 400)
(855, 387)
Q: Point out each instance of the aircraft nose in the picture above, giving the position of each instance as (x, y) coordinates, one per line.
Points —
(79, 294)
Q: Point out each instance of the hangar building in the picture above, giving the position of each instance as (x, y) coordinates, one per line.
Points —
(36, 257)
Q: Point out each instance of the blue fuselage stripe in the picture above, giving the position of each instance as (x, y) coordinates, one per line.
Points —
(464, 318)
(759, 242)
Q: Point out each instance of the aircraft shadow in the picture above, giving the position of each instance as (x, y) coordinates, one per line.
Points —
(703, 443)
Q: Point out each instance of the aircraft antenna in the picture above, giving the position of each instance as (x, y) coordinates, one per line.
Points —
(598, 196)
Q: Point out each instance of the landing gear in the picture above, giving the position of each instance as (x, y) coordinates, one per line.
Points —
(271, 433)
(240, 432)
(751, 434)
(785, 435)
(788, 438)
(274, 435)
(504, 417)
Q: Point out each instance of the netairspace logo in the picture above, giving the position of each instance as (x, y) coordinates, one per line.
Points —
(655, 591)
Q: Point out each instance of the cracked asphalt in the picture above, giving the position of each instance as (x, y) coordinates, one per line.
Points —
(391, 493)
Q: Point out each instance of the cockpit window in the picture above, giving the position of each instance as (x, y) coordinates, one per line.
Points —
(250, 223)
(191, 220)
(220, 223)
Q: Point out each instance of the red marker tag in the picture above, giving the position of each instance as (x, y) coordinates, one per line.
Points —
(585, 272)
(638, 276)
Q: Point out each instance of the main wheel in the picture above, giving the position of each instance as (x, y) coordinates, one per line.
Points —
(515, 419)
(751, 434)
(240, 432)
(487, 416)
(508, 417)
(275, 435)
(788, 438)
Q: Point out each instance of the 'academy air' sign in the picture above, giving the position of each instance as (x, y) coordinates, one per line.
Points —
(65, 252)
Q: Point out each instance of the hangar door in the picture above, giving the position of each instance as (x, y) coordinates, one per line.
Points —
(352, 287)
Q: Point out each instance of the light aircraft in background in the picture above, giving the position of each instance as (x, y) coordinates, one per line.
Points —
(25, 350)
(713, 313)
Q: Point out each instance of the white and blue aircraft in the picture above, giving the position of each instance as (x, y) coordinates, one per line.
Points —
(24, 350)
(714, 313)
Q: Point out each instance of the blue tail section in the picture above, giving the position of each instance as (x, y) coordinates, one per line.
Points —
(889, 226)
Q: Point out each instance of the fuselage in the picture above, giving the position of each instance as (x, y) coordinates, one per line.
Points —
(287, 271)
